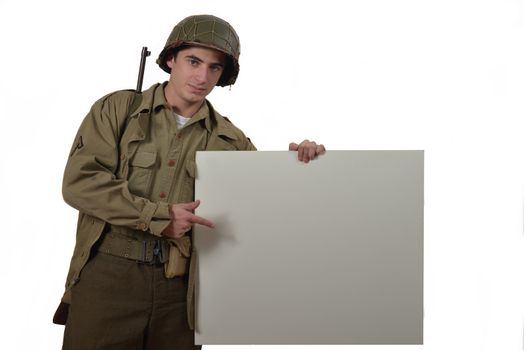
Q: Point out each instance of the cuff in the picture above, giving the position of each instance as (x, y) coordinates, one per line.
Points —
(161, 219)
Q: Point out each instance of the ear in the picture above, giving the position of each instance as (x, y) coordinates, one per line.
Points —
(170, 61)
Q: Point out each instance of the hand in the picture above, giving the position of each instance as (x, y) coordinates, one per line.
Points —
(182, 219)
(307, 150)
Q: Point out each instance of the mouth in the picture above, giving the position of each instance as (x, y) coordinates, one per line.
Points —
(197, 90)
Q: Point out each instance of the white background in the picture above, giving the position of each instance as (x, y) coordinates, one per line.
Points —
(444, 76)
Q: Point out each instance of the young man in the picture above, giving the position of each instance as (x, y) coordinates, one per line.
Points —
(131, 174)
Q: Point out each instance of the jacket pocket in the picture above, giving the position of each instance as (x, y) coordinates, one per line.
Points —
(141, 168)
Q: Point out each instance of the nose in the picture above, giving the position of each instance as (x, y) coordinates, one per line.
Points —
(202, 74)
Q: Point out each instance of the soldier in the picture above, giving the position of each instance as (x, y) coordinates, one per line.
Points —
(130, 174)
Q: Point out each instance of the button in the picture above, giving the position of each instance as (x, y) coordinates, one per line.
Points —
(162, 195)
(179, 136)
(123, 156)
(171, 162)
(142, 226)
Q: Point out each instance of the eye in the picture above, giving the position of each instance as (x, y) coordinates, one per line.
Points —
(216, 69)
(192, 61)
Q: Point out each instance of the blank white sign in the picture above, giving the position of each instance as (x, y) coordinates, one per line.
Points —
(329, 252)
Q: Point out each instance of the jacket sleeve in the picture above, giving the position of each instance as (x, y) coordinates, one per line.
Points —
(90, 184)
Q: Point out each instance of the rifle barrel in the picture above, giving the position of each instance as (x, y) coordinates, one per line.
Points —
(143, 58)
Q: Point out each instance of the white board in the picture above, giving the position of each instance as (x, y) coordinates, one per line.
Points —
(329, 252)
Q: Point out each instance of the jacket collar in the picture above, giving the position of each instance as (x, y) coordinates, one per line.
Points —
(221, 124)
(153, 99)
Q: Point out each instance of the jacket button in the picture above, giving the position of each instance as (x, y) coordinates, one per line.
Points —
(142, 226)
(171, 162)
(162, 195)
(123, 156)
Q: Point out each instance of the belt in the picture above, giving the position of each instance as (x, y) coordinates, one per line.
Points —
(153, 250)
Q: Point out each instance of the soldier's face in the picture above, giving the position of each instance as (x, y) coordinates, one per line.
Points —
(194, 72)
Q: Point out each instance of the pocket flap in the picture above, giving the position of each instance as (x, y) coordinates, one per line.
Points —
(144, 159)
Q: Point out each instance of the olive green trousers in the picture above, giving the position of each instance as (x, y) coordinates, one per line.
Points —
(124, 304)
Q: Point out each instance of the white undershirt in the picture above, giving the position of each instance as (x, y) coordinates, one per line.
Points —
(180, 121)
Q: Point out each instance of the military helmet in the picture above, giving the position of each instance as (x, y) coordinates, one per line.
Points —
(207, 31)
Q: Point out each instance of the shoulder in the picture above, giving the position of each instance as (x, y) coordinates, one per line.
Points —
(114, 108)
(226, 129)
(109, 113)
(223, 123)
(117, 100)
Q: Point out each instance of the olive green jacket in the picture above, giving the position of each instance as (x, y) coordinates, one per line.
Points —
(95, 178)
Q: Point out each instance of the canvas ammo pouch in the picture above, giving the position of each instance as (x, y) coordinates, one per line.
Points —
(179, 256)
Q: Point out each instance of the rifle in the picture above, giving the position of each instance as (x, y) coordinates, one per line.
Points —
(143, 58)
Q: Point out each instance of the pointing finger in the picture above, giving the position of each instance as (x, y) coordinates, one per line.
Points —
(201, 221)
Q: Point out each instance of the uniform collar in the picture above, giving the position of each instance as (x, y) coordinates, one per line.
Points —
(222, 124)
(154, 99)
(150, 99)
(159, 99)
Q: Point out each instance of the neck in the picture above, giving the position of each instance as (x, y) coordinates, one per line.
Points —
(178, 105)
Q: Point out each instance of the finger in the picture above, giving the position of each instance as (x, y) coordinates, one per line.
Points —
(321, 149)
(180, 233)
(302, 151)
(192, 205)
(293, 146)
(313, 151)
(183, 229)
(197, 203)
(306, 153)
(201, 221)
